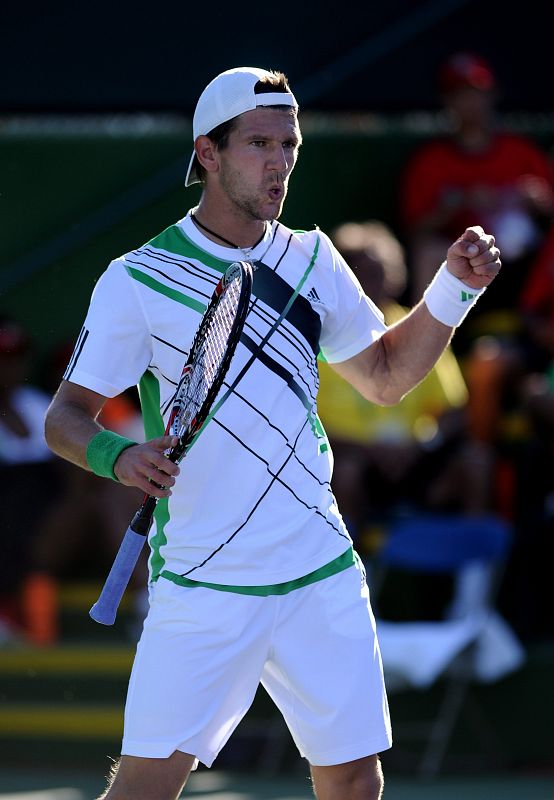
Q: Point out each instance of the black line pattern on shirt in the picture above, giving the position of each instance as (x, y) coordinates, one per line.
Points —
(169, 402)
(174, 280)
(291, 330)
(263, 358)
(255, 308)
(287, 245)
(289, 335)
(264, 354)
(83, 336)
(169, 344)
(275, 475)
(307, 351)
(266, 419)
(158, 370)
(274, 478)
(252, 309)
(278, 294)
(180, 262)
(243, 399)
(278, 369)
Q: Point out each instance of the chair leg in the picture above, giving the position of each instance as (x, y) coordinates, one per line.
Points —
(276, 746)
(484, 731)
(442, 728)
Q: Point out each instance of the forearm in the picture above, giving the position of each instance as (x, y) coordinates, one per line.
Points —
(387, 370)
(68, 430)
(410, 350)
(399, 360)
(70, 426)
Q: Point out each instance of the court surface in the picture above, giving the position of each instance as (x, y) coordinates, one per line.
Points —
(29, 784)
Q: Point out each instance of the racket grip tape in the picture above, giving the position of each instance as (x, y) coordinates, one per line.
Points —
(104, 610)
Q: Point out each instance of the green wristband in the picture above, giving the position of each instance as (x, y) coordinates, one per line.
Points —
(103, 450)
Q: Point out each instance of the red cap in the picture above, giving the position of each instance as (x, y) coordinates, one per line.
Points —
(466, 69)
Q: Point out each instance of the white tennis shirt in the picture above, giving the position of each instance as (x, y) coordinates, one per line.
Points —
(253, 504)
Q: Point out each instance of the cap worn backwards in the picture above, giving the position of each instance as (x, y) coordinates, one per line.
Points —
(229, 94)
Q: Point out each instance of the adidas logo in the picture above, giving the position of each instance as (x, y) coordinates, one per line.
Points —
(465, 296)
(313, 295)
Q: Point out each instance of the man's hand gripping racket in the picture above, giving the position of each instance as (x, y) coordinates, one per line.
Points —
(212, 349)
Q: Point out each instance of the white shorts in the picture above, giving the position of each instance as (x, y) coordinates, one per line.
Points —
(203, 653)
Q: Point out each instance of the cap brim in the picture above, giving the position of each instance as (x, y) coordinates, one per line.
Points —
(192, 176)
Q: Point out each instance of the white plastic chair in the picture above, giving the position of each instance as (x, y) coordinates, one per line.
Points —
(471, 643)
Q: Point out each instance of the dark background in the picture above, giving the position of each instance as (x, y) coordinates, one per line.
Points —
(77, 57)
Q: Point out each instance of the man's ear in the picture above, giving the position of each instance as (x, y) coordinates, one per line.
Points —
(206, 153)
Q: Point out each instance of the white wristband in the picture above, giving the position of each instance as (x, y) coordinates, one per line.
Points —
(448, 298)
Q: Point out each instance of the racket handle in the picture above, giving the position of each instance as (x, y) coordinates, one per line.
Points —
(104, 610)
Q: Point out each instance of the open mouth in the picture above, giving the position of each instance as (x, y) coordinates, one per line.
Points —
(276, 192)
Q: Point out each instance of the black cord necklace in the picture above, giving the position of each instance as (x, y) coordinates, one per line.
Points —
(222, 238)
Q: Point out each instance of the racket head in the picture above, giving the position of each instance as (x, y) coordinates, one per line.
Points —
(210, 355)
(201, 380)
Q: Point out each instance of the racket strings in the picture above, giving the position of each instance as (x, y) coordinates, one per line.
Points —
(211, 353)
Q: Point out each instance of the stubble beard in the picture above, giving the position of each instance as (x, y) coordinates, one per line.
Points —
(248, 204)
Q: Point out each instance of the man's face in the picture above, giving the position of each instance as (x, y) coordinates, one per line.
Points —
(256, 163)
(470, 106)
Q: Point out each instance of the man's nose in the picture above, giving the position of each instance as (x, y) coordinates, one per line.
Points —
(279, 159)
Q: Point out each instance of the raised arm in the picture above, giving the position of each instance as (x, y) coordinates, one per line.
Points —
(71, 425)
(391, 367)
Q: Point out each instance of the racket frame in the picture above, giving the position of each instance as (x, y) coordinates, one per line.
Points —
(104, 610)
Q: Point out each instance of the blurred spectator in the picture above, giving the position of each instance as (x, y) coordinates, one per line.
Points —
(537, 307)
(476, 174)
(58, 520)
(80, 533)
(529, 601)
(512, 386)
(27, 483)
(22, 405)
(417, 453)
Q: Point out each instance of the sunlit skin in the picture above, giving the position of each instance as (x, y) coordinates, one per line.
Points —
(247, 181)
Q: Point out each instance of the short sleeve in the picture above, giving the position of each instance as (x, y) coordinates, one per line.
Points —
(353, 322)
(114, 346)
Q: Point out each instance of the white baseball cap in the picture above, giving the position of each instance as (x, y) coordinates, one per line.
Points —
(229, 94)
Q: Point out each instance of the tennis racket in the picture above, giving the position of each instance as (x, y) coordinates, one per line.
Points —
(209, 358)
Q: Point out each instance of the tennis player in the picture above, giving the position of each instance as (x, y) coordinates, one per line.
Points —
(253, 577)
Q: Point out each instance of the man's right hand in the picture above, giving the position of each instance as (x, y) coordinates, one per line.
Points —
(146, 467)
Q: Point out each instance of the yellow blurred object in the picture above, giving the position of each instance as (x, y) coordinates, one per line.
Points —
(347, 415)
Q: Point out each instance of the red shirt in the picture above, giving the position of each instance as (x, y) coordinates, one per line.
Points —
(441, 167)
(538, 293)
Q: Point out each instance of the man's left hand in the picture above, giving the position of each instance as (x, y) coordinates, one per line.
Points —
(474, 258)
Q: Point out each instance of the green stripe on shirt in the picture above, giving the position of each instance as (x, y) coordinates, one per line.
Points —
(149, 391)
(174, 240)
(347, 559)
(173, 294)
